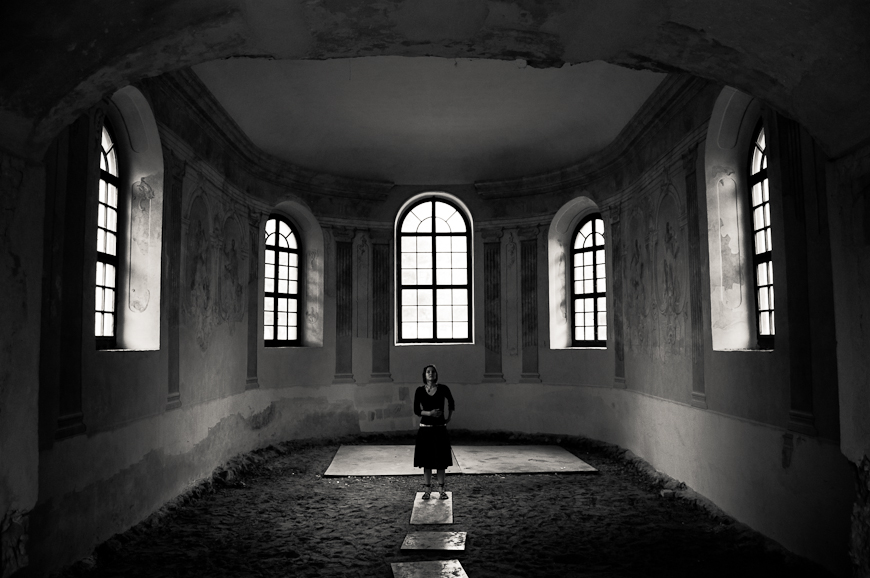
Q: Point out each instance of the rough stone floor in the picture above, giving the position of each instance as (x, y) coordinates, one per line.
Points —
(270, 513)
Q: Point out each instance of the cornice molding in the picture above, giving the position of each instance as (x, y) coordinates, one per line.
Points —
(663, 104)
(187, 86)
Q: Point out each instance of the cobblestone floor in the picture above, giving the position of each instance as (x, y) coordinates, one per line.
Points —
(280, 517)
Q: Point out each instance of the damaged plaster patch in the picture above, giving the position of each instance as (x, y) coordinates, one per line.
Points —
(13, 542)
(437, 20)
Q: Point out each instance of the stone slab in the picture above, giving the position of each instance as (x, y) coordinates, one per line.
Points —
(377, 461)
(434, 541)
(435, 569)
(432, 511)
(518, 460)
(366, 460)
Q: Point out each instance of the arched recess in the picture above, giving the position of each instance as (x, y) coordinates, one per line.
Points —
(558, 255)
(312, 272)
(141, 187)
(732, 122)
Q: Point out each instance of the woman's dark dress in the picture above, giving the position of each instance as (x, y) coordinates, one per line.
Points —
(433, 443)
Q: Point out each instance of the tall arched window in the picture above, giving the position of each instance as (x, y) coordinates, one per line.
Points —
(589, 302)
(434, 297)
(107, 243)
(281, 281)
(762, 257)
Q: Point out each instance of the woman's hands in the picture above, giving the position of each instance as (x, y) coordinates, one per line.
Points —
(434, 413)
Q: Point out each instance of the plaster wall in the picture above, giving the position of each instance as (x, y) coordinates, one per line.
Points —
(86, 482)
(21, 207)
(849, 210)
(736, 463)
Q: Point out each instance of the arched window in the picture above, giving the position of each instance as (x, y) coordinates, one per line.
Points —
(589, 302)
(107, 243)
(762, 256)
(434, 297)
(281, 282)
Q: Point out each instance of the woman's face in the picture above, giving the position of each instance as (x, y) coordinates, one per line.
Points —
(430, 374)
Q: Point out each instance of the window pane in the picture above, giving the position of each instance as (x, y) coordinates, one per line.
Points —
(590, 333)
(269, 284)
(444, 296)
(460, 330)
(410, 224)
(110, 275)
(98, 324)
(460, 296)
(409, 296)
(282, 286)
(759, 243)
(282, 333)
(441, 225)
(424, 276)
(602, 303)
(269, 303)
(425, 226)
(425, 313)
(460, 277)
(108, 324)
(599, 256)
(764, 323)
(409, 260)
(409, 244)
(602, 333)
(442, 260)
(763, 302)
(268, 318)
(424, 244)
(111, 247)
(459, 244)
(409, 276)
(424, 330)
(445, 330)
(409, 313)
(444, 313)
(98, 305)
(762, 273)
(101, 240)
(460, 313)
(409, 330)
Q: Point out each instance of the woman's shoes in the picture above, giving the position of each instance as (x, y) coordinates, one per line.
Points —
(442, 494)
(427, 493)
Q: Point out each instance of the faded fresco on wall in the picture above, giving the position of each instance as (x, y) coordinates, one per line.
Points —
(639, 281)
(656, 274)
(143, 223)
(198, 290)
(232, 282)
(671, 274)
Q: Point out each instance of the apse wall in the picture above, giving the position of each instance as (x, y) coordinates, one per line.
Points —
(720, 421)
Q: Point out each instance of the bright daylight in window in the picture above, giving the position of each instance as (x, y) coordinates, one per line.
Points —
(588, 276)
(434, 287)
(763, 258)
(281, 280)
(107, 241)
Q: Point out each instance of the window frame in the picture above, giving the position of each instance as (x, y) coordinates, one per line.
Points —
(595, 295)
(469, 285)
(764, 341)
(300, 274)
(109, 341)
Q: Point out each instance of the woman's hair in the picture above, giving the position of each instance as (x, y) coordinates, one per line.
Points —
(424, 373)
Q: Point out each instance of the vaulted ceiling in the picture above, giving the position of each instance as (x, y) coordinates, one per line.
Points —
(427, 120)
(807, 58)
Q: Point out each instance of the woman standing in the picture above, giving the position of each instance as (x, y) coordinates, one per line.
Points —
(433, 443)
